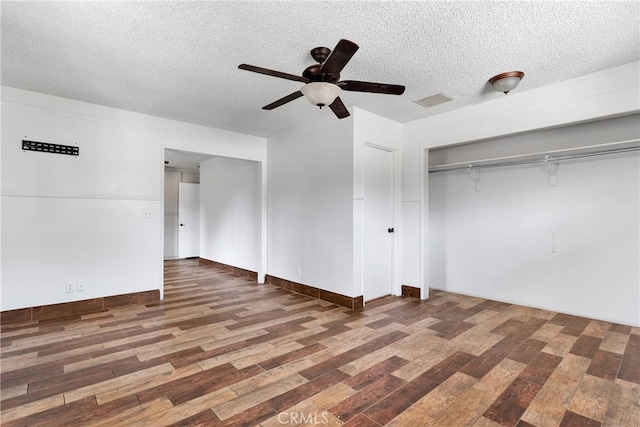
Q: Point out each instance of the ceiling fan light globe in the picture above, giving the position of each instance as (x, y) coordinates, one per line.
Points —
(320, 93)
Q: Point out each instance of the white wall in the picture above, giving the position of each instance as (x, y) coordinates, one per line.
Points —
(498, 243)
(70, 219)
(310, 205)
(230, 209)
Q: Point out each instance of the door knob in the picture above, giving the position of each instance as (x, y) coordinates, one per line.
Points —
(390, 230)
(181, 225)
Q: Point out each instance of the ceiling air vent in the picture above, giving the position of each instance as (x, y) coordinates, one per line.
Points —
(431, 101)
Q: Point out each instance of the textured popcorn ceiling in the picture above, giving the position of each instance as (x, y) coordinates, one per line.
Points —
(179, 59)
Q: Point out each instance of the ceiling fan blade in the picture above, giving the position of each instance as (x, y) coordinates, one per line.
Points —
(339, 57)
(339, 109)
(282, 101)
(273, 73)
(357, 86)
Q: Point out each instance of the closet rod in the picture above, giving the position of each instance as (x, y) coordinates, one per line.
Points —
(528, 162)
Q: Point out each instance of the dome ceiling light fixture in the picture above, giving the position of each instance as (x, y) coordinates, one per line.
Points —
(506, 82)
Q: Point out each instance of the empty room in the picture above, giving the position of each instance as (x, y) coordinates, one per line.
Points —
(342, 213)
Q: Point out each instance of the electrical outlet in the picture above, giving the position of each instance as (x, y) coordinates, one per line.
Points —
(70, 287)
(147, 213)
(81, 286)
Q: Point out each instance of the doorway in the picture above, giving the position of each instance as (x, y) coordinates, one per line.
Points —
(238, 231)
(181, 167)
(378, 222)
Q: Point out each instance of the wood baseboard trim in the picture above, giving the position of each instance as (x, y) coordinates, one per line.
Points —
(352, 303)
(229, 268)
(349, 302)
(410, 291)
(75, 308)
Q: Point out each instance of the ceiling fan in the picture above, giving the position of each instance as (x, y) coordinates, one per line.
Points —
(322, 80)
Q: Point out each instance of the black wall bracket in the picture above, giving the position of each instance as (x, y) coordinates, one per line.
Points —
(46, 147)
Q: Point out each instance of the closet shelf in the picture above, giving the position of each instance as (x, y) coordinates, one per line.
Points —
(543, 157)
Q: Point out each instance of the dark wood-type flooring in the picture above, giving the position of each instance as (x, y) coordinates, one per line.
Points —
(222, 350)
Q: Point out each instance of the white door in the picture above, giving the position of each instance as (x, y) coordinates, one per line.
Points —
(378, 223)
(188, 220)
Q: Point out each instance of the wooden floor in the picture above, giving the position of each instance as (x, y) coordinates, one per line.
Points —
(222, 350)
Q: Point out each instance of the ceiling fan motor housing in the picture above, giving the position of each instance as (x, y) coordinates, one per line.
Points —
(313, 74)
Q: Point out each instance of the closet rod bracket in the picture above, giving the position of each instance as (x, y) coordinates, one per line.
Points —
(475, 175)
(552, 165)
